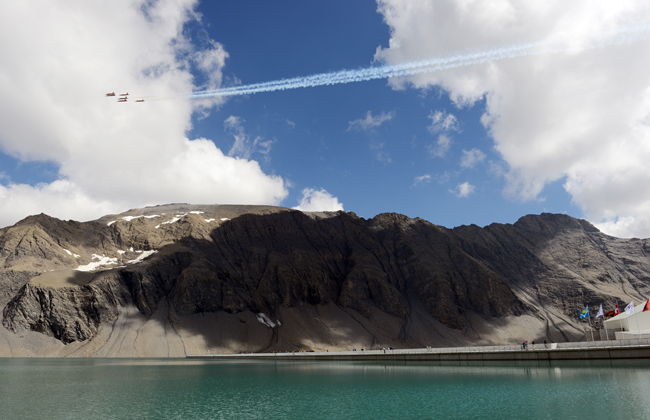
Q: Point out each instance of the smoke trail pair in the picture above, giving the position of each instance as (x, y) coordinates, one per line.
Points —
(623, 36)
(372, 73)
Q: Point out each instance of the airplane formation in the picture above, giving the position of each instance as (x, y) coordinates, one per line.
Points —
(123, 97)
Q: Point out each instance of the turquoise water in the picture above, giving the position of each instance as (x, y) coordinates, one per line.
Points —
(185, 389)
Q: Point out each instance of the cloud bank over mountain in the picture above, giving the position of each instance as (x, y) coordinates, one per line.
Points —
(581, 116)
(58, 62)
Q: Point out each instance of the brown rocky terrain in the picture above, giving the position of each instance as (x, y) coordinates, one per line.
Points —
(186, 279)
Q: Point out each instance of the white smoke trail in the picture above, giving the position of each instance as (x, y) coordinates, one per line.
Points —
(623, 36)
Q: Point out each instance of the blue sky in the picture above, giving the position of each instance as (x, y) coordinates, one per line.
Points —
(563, 132)
(370, 171)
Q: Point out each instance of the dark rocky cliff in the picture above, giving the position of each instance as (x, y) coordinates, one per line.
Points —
(313, 278)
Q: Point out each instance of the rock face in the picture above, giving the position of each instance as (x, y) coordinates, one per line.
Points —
(177, 279)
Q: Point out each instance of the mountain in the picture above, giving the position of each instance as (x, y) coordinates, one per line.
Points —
(188, 279)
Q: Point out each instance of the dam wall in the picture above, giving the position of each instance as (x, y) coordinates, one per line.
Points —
(597, 350)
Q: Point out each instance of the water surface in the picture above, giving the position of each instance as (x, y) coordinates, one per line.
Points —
(194, 389)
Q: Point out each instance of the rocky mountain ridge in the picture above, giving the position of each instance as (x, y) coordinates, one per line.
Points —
(177, 279)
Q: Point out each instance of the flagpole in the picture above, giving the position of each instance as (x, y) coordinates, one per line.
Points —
(585, 314)
(632, 312)
(598, 315)
(590, 328)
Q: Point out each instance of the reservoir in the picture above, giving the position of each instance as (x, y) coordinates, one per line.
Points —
(251, 389)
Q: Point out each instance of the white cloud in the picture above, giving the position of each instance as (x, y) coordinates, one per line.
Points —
(440, 147)
(321, 200)
(623, 226)
(243, 147)
(370, 122)
(209, 62)
(381, 154)
(443, 178)
(20, 200)
(426, 178)
(582, 116)
(497, 169)
(441, 121)
(463, 190)
(471, 157)
(60, 58)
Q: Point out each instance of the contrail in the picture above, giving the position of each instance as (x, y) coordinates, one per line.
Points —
(623, 36)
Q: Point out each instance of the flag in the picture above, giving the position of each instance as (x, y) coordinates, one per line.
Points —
(646, 307)
(616, 313)
(629, 309)
(600, 312)
(585, 313)
(610, 314)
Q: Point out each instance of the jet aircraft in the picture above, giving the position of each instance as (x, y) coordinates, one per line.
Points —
(110, 94)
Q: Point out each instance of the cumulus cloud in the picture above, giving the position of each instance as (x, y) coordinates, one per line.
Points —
(440, 147)
(321, 200)
(441, 121)
(60, 58)
(463, 190)
(370, 122)
(470, 158)
(582, 115)
(20, 200)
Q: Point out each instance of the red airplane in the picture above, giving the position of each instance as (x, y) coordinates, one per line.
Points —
(125, 94)
(121, 100)
(140, 100)
(110, 94)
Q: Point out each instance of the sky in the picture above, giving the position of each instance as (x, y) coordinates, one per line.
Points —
(517, 107)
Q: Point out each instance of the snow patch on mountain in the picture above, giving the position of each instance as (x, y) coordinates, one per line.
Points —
(264, 319)
(70, 253)
(175, 219)
(142, 256)
(103, 260)
(129, 218)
